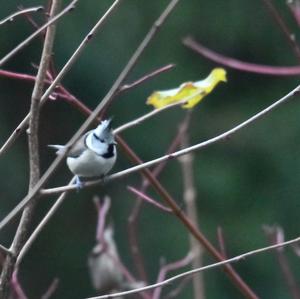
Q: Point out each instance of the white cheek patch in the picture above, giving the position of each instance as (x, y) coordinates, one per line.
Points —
(95, 145)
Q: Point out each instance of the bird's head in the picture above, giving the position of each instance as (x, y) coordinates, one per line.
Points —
(104, 132)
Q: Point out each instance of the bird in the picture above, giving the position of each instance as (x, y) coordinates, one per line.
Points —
(93, 155)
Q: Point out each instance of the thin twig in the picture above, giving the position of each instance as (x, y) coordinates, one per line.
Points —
(191, 272)
(232, 274)
(102, 214)
(294, 6)
(41, 225)
(283, 26)
(179, 153)
(4, 251)
(11, 17)
(179, 213)
(59, 201)
(22, 126)
(136, 210)
(65, 94)
(149, 199)
(239, 282)
(221, 241)
(147, 77)
(95, 113)
(16, 286)
(275, 235)
(238, 64)
(171, 267)
(36, 33)
(189, 198)
(152, 113)
(51, 289)
(179, 287)
(34, 159)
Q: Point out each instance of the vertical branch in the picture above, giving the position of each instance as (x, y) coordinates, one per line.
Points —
(283, 26)
(133, 218)
(34, 162)
(189, 196)
(275, 235)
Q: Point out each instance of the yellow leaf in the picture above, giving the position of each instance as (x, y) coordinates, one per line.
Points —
(191, 92)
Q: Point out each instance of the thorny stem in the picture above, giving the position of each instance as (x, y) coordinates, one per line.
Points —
(34, 163)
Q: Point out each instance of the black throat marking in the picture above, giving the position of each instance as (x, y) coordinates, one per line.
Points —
(110, 151)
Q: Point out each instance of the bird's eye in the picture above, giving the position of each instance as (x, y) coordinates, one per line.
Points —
(98, 138)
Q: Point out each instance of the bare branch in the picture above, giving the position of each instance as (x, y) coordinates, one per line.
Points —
(4, 251)
(51, 289)
(102, 214)
(211, 266)
(147, 77)
(189, 198)
(41, 225)
(22, 126)
(171, 267)
(34, 163)
(294, 6)
(149, 115)
(221, 241)
(134, 215)
(238, 64)
(149, 199)
(179, 153)
(16, 287)
(179, 213)
(95, 113)
(36, 33)
(11, 17)
(275, 235)
(34, 159)
(283, 26)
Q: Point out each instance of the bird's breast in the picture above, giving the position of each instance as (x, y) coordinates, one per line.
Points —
(89, 164)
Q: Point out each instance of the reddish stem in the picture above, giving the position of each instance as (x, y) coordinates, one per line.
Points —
(238, 64)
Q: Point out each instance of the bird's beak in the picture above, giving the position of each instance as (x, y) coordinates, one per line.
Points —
(109, 126)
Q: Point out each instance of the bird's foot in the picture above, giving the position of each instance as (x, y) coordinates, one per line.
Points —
(78, 183)
(104, 179)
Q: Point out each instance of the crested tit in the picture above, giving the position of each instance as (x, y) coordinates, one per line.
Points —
(93, 155)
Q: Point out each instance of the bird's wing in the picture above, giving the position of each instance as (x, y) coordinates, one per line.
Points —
(59, 148)
(78, 147)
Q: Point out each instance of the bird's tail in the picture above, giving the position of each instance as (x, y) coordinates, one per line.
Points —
(59, 148)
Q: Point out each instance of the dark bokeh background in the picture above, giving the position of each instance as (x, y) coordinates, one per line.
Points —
(250, 180)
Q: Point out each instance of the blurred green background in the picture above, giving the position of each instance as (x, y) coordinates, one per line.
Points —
(242, 184)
